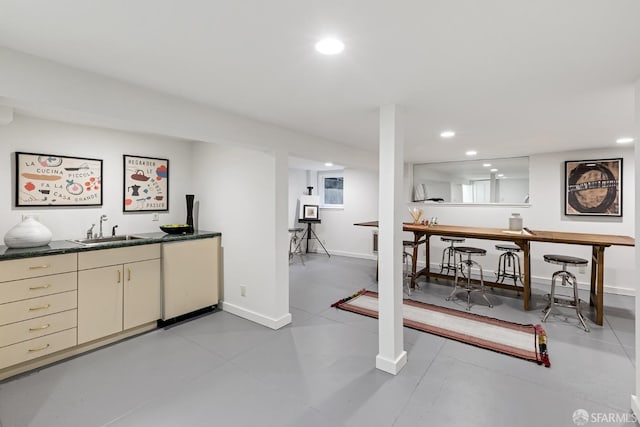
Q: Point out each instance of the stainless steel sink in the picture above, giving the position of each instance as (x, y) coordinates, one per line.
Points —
(108, 239)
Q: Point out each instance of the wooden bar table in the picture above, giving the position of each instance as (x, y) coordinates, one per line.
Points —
(598, 243)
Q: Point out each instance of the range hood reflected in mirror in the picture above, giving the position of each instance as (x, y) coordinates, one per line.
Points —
(473, 181)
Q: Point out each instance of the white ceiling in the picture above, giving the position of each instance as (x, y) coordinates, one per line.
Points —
(511, 77)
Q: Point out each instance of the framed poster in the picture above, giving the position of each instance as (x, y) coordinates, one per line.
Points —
(52, 180)
(146, 184)
(593, 187)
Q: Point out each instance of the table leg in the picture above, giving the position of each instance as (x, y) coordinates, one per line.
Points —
(427, 258)
(526, 282)
(414, 263)
(600, 287)
(594, 272)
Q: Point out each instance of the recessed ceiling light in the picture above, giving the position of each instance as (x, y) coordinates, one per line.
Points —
(447, 134)
(624, 140)
(486, 165)
(328, 164)
(493, 170)
(471, 153)
(330, 46)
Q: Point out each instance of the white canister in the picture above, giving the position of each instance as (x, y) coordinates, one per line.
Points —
(515, 222)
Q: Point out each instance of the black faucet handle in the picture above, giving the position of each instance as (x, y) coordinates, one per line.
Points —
(113, 230)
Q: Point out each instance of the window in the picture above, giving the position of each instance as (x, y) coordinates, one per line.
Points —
(331, 189)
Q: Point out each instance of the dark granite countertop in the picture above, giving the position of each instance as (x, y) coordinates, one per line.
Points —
(67, 246)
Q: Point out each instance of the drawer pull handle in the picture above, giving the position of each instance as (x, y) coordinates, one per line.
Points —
(39, 348)
(38, 267)
(128, 274)
(36, 288)
(119, 276)
(40, 307)
(39, 328)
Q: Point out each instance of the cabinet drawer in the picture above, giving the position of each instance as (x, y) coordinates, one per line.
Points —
(34, 328)
(106, 257)
(25, 268)
(39, 286)
(37, 347)
(37, 307)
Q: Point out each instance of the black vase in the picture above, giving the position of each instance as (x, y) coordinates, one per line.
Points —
(190, 212)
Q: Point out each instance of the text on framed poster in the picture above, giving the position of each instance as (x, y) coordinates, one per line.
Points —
(52, 180)
(146, 184)
(593, 187)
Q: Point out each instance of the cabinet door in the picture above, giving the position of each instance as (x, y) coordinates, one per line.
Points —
(190, 275)
(99, 302)
(141, 292)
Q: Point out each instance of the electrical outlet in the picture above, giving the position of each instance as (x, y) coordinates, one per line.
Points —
(243, 290)
(156, 217)
(581, 269)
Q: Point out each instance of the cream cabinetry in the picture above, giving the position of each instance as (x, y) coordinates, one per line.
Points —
(118, 289)
(141, 293)
(38, 300)
(56, 306)
(190, 271)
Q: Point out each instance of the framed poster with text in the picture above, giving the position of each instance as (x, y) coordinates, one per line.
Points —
(146, 184)
(52, 180)
(593, 187)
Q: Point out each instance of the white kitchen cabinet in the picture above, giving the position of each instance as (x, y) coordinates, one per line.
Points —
(190, 275)
(99, 302)
(56, 306)
(114, 296)
(38, 300)
(141, 293)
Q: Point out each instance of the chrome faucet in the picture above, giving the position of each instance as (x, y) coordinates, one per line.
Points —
(90, 232)
(102, 219)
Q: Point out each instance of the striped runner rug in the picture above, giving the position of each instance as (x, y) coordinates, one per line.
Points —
(524, 341)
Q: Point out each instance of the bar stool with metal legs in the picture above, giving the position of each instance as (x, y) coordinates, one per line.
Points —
(567, 279)
(407, 254)
(509, 264)
(450, 254)
(467, 264)
(407, 268)
(294, 244)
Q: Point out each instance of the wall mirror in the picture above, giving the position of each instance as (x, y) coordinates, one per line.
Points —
(473, 181)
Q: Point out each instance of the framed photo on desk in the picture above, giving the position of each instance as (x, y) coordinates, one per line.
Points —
(310, 212)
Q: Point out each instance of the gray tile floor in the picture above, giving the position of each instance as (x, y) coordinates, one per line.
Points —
(222, 370)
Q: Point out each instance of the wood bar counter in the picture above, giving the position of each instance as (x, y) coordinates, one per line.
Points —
(598, 243)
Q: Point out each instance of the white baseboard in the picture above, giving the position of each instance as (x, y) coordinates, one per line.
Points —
(261, 319)
(635, 407)
(347, 254)
(391, 366)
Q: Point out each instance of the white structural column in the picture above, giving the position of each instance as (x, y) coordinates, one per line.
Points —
(391, 356)
(635, 399)
(281, 249)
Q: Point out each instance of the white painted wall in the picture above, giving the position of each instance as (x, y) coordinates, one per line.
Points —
(297, 188)
(47, 89)
(29, 134)
(236, 187)
(337, 231)
(547, 213)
